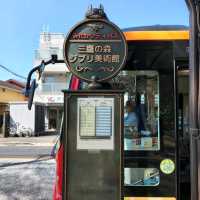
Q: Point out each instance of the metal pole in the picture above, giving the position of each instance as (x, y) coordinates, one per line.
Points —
(4, 124)
(198, 85)
(176, 131)
(193, 98)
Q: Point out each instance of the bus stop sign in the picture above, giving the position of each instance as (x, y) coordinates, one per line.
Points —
(95, 48)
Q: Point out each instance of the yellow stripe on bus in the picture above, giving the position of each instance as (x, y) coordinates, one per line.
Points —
(149, 198)
(156, 35)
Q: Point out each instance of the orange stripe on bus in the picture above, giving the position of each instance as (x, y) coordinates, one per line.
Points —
(156, 35)
(149, 198)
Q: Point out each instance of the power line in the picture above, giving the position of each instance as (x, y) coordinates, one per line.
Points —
(10, 71)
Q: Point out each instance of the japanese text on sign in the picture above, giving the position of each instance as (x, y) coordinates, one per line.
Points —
(95, 48)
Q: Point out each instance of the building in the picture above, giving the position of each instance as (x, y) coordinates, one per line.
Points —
(54, 78)
(9, 92)
(17, 83)
(24, 122)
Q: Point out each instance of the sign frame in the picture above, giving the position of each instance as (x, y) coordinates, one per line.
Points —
(83, 22)
(88, 158)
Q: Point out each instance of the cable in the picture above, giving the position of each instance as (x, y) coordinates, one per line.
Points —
(15, 74)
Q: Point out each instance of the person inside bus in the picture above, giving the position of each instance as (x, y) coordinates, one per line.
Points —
(130, 118)
(130, 124)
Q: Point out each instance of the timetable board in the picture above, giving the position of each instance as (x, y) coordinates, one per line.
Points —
(95, 123)
(86, 121)
(95, 117)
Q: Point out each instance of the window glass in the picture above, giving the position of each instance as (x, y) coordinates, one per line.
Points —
(141, 118)
(141, 177)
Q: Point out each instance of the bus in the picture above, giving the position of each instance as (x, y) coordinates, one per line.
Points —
(156, 84)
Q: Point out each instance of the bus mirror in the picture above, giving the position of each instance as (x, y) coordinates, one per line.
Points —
(31, 93)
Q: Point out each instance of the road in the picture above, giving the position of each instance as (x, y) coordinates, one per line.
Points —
(24, 151)
(26, 179)
(27, 172)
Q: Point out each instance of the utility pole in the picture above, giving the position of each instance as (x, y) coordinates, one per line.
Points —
(194, 96)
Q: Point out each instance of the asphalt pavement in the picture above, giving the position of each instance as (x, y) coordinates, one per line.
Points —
(27, 179)
(27, 171)
(24, 151)
(27, 147)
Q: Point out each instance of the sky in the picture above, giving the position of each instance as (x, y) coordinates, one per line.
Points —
(21, 22)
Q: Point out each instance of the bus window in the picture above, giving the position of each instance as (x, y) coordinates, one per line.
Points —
(141, 119)
(141, 177)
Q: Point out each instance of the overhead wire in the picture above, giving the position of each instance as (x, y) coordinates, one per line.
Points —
(13, 73)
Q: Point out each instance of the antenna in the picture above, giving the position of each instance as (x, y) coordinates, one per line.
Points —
(101, 7)
(47, 28)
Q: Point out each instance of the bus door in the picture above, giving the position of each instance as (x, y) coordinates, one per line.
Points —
(149, 135)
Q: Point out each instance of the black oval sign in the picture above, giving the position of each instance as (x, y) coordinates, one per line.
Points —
(95, 48)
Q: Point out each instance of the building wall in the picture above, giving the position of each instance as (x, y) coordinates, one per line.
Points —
(7, 95)
(20, 116)
(3, 108)
(50, 43)
(54, 79)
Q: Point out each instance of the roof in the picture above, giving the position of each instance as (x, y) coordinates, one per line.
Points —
(17, 83)
(157, 32)
(5, 84)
